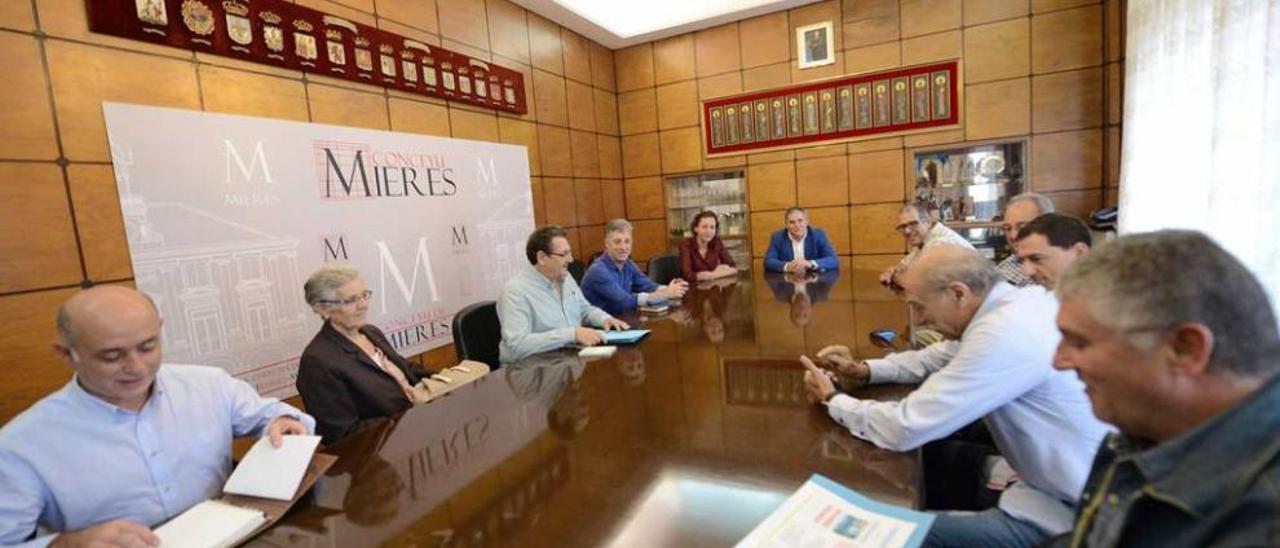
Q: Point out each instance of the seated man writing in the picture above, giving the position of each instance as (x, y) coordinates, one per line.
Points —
(999, 369)
(614, 282)
(129, 442)
(541, 307)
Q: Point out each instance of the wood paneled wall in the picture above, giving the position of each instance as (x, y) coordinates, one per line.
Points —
(61, 217)
(1048, 71)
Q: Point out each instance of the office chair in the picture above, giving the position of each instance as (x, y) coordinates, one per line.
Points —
(476, 333)
(577, 270)
(664, 268)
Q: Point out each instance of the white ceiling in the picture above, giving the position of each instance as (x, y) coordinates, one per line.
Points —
(621, 23)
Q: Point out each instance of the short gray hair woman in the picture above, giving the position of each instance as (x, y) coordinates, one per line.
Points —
(350, 375)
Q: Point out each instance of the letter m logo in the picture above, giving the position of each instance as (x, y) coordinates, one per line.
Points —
(408, 288)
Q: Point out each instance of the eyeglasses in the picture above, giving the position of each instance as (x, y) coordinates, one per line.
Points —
(902, 227)
(562, 255)
(357, 298)
(1011, 227)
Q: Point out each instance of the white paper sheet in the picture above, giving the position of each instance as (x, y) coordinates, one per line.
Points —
(273, 472)
(598, 351)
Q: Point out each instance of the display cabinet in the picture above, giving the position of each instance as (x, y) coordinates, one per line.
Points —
(967, 187)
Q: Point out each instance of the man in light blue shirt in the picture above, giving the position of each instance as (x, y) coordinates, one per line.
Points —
(998, 366)
(614, 282)
(542, 308)
(128, 443)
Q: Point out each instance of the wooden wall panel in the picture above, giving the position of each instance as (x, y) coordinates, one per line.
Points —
(1071, 111)
(39, 271)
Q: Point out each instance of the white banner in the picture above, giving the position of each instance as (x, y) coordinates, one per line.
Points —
(226, 216)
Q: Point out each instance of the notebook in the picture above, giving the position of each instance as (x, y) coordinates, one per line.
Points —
(232, 518)
(630, 336)
(210, 524)
(597, 351)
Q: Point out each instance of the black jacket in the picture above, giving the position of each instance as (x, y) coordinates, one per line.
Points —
(344, 389)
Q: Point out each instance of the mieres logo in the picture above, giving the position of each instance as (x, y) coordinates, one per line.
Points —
(334, 248)
(259, 157)
(356, 170)
(461, 243)
(408, 289)
(241, 176)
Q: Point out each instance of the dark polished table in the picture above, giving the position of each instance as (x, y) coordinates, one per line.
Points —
(688, 439)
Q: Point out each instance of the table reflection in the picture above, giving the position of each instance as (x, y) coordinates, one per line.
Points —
(688, 439)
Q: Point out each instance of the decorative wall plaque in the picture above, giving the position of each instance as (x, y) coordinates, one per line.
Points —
(278, 33)
(905, 100)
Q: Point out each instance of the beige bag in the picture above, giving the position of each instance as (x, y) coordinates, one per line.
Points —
(448, 380)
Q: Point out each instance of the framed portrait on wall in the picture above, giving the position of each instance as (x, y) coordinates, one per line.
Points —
(815, 45)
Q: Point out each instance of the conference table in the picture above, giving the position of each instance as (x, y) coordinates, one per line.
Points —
(689, 438)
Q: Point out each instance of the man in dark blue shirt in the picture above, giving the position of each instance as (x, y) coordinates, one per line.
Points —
(614, 282)
(1178, 346)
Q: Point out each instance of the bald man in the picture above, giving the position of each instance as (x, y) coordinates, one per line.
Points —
(129, 442)
(1000, 370)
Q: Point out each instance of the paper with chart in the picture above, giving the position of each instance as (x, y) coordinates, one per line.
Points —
(824, 514)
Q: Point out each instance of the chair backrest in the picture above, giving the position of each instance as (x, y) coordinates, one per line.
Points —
(664, 268)
(577, 270)
(476, 333)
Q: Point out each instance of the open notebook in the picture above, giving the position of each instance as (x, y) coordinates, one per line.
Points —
(260, 490)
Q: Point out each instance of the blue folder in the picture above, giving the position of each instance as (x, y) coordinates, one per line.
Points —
(630, 336)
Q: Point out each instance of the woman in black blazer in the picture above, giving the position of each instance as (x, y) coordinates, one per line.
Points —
(349, 374)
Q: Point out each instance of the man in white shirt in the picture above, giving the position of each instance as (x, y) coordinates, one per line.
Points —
(921, 232)
(998, 369)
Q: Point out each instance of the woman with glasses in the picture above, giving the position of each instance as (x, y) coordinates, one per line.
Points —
(349, 374)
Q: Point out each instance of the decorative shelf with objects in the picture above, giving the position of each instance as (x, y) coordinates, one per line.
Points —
(723, 192)
(967, 187)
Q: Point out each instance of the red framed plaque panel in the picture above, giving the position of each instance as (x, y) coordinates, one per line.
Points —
(905, 100)
(273, 32)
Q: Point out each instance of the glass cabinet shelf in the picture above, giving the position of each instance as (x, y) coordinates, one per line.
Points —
(969, 184)
(723, 192)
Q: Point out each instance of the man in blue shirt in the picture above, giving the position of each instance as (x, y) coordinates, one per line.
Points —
(129, 442)
(1178, 345)
(614, 282)
(800, 247)
(541, 307)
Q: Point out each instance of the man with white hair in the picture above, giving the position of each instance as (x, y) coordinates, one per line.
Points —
(998, 370)
(921, 232)
(1020, 210)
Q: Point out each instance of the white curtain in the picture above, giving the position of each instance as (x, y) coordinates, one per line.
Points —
(1202, 125)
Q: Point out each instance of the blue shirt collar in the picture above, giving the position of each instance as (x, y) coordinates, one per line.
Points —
(83, 397)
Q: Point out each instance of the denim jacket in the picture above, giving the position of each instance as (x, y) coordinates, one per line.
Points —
(1217, 485)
